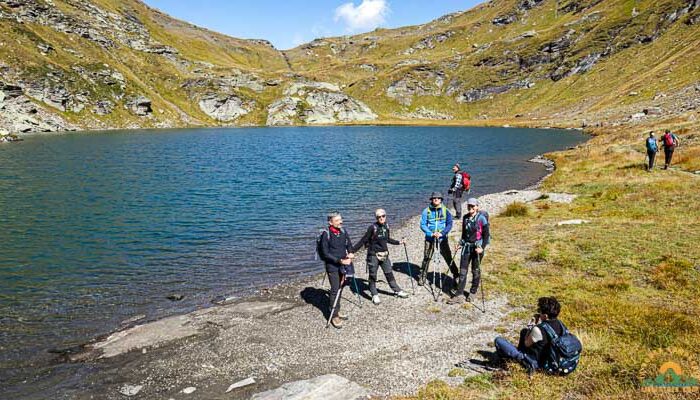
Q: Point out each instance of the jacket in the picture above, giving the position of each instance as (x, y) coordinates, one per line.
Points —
(435, 220)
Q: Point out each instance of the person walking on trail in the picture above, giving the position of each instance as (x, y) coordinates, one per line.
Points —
(652, 149)
(669, 141)
(436, 223)
(336, 251)
(461, 182)
(376, 239)
(475, 232)
(533, 350)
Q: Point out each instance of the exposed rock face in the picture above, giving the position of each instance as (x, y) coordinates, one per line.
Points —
(504, 19)
(283, 111)
(317, 103)
(422, 81)
(227, 84)
(425, 113)
(103, 107)
(140, 106)
(18, 114)
(476, 94)
(224, 108)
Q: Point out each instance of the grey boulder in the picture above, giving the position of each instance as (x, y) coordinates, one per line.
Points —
(325, 387)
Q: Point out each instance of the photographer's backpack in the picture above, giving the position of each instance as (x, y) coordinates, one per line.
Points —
(562, 355)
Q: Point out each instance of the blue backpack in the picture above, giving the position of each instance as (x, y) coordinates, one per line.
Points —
(563, 352)
(651, 145)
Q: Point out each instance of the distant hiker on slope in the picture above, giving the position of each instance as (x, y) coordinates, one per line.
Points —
(376, 238)
(545, 344)
(652, 148)
(335, 249)
(436, 223)
(461, 182)
(669, 141)
(475, 238)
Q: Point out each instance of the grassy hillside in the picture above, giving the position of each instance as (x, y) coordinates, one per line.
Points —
(586, 62)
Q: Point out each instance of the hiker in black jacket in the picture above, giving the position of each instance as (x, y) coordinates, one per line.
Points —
(336, 251)
(376, 238)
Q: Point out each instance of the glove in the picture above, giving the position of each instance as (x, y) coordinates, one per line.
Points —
(450, 191)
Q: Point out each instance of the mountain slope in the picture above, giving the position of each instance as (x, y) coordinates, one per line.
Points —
(96, 64)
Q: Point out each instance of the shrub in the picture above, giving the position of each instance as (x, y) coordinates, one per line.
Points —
(517, 209)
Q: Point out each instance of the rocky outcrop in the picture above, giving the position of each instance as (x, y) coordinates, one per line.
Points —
(422, 81)
(18, 114)
(476, 94)
(225, 108)
(140, 106)
(326, 387)
(317, 103)
(504, 19)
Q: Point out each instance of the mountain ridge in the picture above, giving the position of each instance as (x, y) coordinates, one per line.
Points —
(102, 64)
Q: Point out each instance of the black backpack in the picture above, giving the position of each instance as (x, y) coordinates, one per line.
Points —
(563, 352)
(327, 231)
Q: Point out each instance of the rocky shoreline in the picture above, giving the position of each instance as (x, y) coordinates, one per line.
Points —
(278, 336)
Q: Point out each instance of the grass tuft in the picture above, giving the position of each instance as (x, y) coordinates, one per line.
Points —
(517, 209)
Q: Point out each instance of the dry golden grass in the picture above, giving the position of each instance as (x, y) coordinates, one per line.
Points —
(628, 281)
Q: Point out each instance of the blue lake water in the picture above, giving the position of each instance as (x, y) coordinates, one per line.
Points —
(100, 227)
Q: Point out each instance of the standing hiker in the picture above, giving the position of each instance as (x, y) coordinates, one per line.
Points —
(669, 141)
(376, 239)
(436, 223)
(335, 249)
(475, 233)
(652, 148)
(461, 182)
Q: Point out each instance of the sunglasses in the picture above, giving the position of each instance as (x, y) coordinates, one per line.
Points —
(381, 216)
(470, 206)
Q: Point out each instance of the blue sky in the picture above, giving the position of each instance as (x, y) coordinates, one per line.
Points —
(292, 22)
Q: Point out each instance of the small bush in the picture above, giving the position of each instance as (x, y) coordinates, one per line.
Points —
(539, 253)
(517, 209)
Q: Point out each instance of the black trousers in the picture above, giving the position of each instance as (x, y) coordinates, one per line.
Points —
(373, 265)
(652, 158)
(668, 155)
(428, 251)
(469, 256)
(334, 277)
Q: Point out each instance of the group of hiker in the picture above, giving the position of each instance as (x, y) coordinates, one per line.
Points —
(668, 141)
(337, 250)
(545, 344)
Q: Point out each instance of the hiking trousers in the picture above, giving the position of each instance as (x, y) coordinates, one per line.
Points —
(652, 158)
(373, 265)
(334, 277)
(457, 202)
(469, 256)
(428, 251)
(505, 349)
(668, 155)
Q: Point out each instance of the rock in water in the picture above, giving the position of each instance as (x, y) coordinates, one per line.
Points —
(326, 387)
(176, 297)
(189, 390)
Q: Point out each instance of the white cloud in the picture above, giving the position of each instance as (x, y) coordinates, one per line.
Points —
(368, 15)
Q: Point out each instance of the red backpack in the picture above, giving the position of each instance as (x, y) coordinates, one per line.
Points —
(668, 140)
(466, 181)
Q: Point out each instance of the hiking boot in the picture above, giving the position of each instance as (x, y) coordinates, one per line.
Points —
(337, 322)
(455, 300)
(471, 296)
(401, 294)
(376, 299)
(342, 316)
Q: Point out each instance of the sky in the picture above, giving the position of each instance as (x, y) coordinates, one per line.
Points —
(289, 23)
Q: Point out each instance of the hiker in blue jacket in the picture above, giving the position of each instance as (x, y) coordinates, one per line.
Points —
(436, 223)
(652, 149)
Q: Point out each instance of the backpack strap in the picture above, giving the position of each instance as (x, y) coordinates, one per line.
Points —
(548, 329)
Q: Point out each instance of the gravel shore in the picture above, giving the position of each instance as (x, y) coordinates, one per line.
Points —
(279, 336)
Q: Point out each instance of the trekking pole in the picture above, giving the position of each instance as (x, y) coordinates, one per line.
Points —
(357, 290)
(335, 302)
(410, 273)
